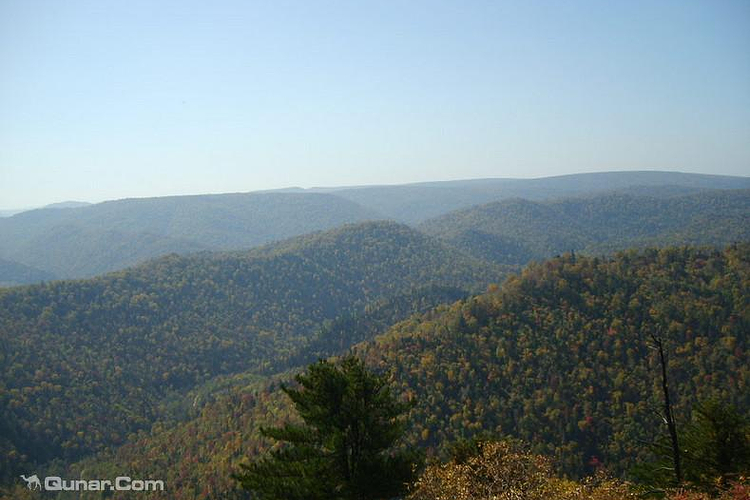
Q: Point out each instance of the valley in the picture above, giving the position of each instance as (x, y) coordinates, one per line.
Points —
(514, 319)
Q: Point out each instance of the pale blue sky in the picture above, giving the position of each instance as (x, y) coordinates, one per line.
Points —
(109, 99)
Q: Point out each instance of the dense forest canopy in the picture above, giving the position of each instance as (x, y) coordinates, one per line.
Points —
(13, 273)
(517, 231)
(86, 363)
(172, 366)
(558, 356)
(85, 241)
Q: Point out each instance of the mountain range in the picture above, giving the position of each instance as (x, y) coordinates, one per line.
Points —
(558, 356)
(516, 231)
(525, 313)
(77, 241)
(114, 348)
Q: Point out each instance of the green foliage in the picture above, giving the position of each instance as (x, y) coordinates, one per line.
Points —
(716, 444)
(14, 273)
(336, 336)
(518, 231)
(715, 450)
(85, 241)
(85, 364)
(556, 356)
(345, 447)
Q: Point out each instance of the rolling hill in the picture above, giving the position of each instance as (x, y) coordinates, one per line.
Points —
(14, 273)
(557, 356)
(83, 241)
(86, 241)
(85, 363)
(517, 231)
(415, 203)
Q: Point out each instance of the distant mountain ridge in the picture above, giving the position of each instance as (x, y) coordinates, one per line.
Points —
(417, 202)
(516, 231)
(67, 204)
(62, 204)
(90, 240)
(78, 242)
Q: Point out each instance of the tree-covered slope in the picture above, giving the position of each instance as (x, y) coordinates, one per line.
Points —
(89, 240)
(415, 203)
(84, 363)
(561, 357)
(517, 231)
(557, 356)
(85, 241)
(225, 414)
(14, 273)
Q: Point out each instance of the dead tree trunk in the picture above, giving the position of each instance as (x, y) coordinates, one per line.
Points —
(668, 415)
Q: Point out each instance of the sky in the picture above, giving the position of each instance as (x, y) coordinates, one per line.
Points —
(108, 99)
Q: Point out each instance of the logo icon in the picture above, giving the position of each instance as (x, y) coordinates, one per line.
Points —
(32, 482)
(120, 483)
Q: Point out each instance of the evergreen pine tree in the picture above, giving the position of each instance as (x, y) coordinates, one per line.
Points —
(345, 449)
(717, 444)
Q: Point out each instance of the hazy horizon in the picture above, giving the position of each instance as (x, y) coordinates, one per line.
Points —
(346, 186)
(140, 99)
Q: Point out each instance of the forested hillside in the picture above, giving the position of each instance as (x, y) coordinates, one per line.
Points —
(415, 203)
(558, 356)
(85, 363)
(85, 241)
(518, 231)
(13, 273)
(561, 357)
